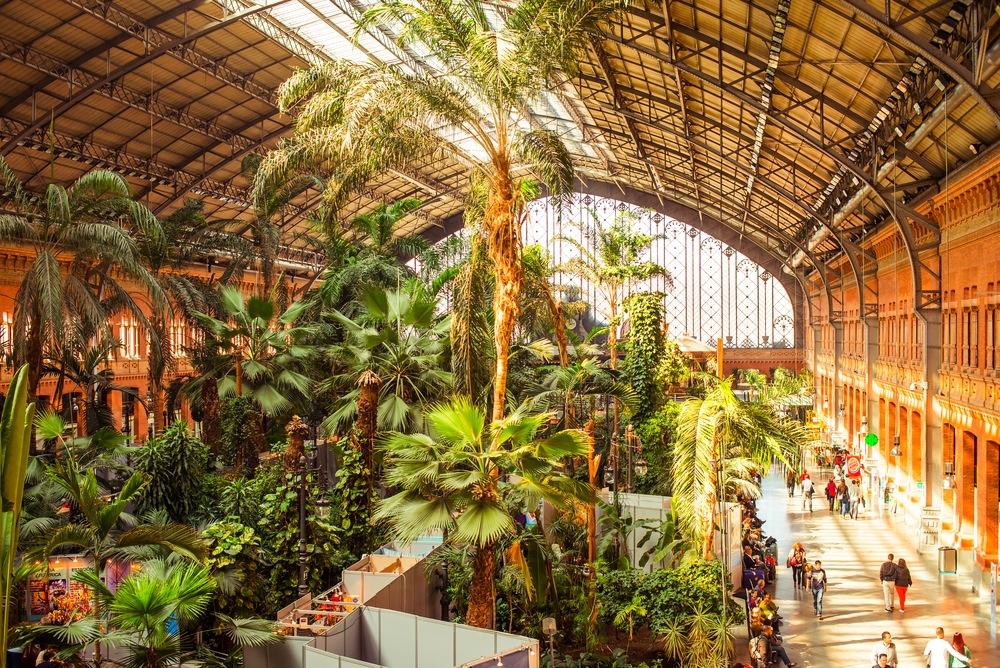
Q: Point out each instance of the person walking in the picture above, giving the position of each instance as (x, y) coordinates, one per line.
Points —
(807, 492)
(817, 584)
(885, 647)
(903, 582)
(855, 494)
(831, 492)
(845, 500)
(881, 661)
(797, 562)
(958, 644)
(939, 650)
(887, 574)
(790, 480)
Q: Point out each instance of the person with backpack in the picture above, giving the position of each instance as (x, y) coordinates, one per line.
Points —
(817, 585)
(797, 562)
(807, 492)
(760, 651)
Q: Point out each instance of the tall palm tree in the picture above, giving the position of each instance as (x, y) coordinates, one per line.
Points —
(98, 228)
(538, 273)
(390, 366)
(378, 254)
(189, 238)
(358, 120)
(100, 525)
(150, 611)
(721, 440)
(463, 475)
(610, 259)
(259, 348)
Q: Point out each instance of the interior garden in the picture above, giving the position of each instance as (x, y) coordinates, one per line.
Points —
(464, 389)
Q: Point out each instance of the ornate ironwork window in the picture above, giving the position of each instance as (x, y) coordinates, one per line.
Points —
(713, 290)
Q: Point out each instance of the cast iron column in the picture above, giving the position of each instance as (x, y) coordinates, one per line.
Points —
(303, 587)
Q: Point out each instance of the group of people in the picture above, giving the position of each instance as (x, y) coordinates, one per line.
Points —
(939, 652)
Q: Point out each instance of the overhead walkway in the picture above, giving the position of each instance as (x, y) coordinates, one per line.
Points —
(853, 612)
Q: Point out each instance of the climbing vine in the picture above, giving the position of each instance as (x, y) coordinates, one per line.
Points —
(644, 353)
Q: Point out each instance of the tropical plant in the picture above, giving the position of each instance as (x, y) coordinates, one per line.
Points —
(151, 611)
(99, 525)
(176, 464)
(636, 608)
(610, 259)
(471, 336)
(458, 476)
(236, 547)
(644, 353)
(15, 435)
(99, 228)
(657, 436)
(242, 438)
(189, 237)
(721, 436)
(538, 272)
(362, 119)
(379, 255)
(257, 347)
(87, 364)
(390, 365)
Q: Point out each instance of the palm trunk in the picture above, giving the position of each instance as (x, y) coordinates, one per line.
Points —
(210, 414)
(367, 423)
(157, 365)
(504, 248)
(97, 614)
(559, 324)
(156, 407)
(592, 464)
(713, 496)
(482, 594)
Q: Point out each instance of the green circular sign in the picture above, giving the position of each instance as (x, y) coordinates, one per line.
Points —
(871, 439)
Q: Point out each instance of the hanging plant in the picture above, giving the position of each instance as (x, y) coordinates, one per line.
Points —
(644, 352)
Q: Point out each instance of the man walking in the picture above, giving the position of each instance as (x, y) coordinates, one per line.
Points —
(887, 648)
(807, 493)
(831, 492)
(817, 585)
(887, 574)
(938, 649)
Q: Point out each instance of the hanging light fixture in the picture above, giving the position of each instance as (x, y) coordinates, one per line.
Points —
(949, 476)
(640, 466)
(896, 450)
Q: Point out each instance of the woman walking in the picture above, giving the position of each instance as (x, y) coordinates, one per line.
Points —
(958, 643)
(844, 499)
(797, 562)
(903, 582)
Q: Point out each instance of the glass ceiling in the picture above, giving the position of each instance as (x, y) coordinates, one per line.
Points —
(329, 25)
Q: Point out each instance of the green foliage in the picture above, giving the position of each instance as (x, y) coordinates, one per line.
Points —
(615, 589)
(657, 435)
(359, 534)
(234, 546)
(176, 464)
(279, 528)
(241, 438)
(15, 436)
(675, 365)
(644, 353)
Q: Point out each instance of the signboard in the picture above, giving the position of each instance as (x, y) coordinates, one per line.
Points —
(853, 466)
(871, 440)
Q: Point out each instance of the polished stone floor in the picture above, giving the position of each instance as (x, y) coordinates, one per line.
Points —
(854, 614)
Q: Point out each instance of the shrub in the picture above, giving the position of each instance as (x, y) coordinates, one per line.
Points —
(177, 464)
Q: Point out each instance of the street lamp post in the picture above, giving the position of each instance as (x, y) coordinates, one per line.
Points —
(303, 586)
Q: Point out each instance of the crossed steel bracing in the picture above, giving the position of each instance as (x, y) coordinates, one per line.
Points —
(798, 128)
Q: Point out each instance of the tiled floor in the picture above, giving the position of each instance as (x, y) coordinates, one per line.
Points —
(854, 615)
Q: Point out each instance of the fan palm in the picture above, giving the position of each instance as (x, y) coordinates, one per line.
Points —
(189, 238)
(721, 436)
(390, 364)
(460, 475)
(150, 610)
(100, 531)
(95, 225)
(380, 260)
(358, 120)
(257, 347)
